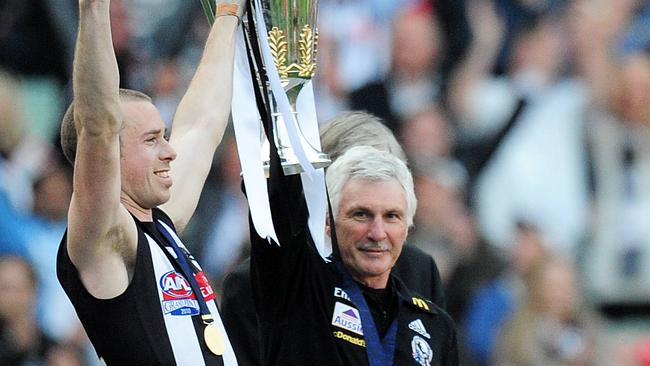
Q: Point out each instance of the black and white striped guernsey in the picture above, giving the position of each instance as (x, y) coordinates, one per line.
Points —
(156, 320)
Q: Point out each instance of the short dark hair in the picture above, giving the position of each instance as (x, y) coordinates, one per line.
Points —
(69, 131)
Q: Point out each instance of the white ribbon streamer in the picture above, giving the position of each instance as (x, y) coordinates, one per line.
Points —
(248, 133)
(246, 122)
(313, 185)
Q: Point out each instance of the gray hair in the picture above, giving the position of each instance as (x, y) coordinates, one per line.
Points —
(357, 129)
(368, 163)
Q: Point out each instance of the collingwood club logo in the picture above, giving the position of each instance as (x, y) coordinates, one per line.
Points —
(422, 352)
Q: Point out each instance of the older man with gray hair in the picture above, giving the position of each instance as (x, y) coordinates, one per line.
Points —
(414, 267)
(349, 310)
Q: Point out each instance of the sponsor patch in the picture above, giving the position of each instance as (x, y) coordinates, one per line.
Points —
(348, 338)
(347, 317)
(178, 298)
(422, 352)
(418, 327)
(339, 292)
(206, 289)
(420, 303)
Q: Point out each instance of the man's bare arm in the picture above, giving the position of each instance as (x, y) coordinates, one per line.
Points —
(96, 217)
(201, 119)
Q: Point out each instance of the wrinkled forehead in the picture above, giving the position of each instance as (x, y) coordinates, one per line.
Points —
(379, 188)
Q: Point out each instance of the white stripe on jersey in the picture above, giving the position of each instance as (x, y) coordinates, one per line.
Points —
(229, 358)
(229, 354)
(180, 329)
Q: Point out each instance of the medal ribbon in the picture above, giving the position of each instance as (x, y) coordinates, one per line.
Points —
(186, 269)
(380, 352)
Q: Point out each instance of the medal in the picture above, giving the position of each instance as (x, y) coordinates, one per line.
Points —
(212, 336)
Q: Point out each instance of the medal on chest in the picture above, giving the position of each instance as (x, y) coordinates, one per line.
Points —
(212, 336)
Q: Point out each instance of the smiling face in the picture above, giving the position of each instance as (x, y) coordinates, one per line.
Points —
(145, 157)
(371, 227)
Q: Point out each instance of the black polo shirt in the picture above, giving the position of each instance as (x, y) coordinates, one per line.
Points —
(306, 317)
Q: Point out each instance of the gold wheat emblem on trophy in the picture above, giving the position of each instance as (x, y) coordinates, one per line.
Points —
(279, 45)
(307, 41)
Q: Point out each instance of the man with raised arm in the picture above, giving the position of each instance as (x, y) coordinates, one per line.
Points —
(416, 269)
(351, 310)
(142, 298)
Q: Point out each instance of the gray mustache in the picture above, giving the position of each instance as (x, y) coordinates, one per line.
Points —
(373, 245)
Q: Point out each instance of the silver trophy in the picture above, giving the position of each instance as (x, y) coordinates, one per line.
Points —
(292, 39)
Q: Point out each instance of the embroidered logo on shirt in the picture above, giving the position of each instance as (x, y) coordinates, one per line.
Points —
(178, 298)
(420, 303)
(418, 326)
(347, 317)
(422, 352)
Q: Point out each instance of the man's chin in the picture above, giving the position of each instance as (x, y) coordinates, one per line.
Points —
(160, 200)
(374, 269)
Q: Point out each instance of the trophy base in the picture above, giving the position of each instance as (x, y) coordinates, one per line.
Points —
(291, 165)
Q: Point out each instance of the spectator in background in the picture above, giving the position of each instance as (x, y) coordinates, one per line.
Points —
(428, 135)
(617, 256)
(22, 342)
(64, 355)
(36, 234)
(445, 228)
(151, 31)
(21, 153)
(11, 117)
(29, 41)
(442, 225)
(494, 302)
(21, 158)
(121, 27)
(412, 82)
(43, 229)
(354, 49)
(551, 327)
(226, 242)
(166, 88)
(543, 108)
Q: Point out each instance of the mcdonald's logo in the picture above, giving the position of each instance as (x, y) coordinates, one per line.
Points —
(420, 303)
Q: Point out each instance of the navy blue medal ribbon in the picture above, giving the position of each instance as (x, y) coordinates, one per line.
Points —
(380, 352)
(211, 334)
(186, 269)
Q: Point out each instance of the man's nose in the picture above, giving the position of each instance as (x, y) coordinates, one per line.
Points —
(168, 152)
(377, 230)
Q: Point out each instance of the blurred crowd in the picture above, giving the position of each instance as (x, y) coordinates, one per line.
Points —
(527, 128)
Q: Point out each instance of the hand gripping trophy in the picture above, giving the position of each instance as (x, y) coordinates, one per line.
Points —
(274, 67)
(285, 53)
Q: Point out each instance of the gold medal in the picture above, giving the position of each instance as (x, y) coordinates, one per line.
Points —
(213, 338)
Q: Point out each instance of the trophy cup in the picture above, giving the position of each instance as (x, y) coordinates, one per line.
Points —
(275, 60)
(292, 39)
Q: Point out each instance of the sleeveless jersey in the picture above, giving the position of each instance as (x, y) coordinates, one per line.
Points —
(156, 320)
